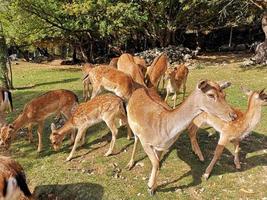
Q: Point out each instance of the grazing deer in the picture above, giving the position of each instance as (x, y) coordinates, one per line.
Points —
(233, 131)
(36, 111)
(12, 180)
(158, 127)
(156, 71)
(107, 108)
(111, 79)
(86, 82)
(176, 77)
(127, 65)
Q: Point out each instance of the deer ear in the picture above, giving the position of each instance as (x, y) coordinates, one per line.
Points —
(224, 84)
(262, 91)
(202, 84)
(53, 127)
(11, 126)
(246, 91)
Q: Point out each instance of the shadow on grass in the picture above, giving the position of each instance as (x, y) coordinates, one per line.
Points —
(253, 143)
(47, 83)
(77, 191)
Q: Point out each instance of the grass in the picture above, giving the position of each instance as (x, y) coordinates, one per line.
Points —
(92, 176)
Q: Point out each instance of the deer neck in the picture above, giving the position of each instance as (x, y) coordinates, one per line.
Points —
(179, 118)
(68, 126)
(20, 122)
(253, 115)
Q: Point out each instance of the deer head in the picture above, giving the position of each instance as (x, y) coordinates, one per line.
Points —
(55, 138)
(211, 99)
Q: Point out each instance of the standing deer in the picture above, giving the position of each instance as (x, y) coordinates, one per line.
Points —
(176, 77)
(5, 104)
(127, 65)
(107, 108)
(158, 127)
(138, 60)
(233, 131)
(156, 71)
(12, 180)
(111, 79)
(36, 111)
(86, 68)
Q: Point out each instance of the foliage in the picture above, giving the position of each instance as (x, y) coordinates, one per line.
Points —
(87, 24)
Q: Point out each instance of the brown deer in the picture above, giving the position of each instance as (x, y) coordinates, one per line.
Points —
(157, 70)
(36, 111)
(113, 62)
(107, 108)
(158, 127)
(5, 104)
(127, 65)
(111, 79)
(12, 180)
(233, 131)
(86, 82)
(176, 77)
(138, 60)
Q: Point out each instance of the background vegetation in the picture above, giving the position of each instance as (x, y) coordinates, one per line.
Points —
(101, 27)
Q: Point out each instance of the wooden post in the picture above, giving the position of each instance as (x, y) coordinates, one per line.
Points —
(231, 35)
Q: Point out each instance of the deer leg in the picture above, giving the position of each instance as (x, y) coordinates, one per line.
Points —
(154, 157)
(217, 155)
(40, 133)
(80, 134)
(131, 162)
(30, 133)
(114, 132)
(174, 99)
(184, 88)
(168, 92)
(236, 159)
(192, 132)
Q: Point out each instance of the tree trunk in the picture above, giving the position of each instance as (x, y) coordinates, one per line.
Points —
(3, 60)
(261, 50)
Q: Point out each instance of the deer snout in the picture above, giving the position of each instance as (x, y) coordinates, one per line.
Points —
(233, 115)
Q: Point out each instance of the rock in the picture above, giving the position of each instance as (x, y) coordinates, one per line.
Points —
(175, 53)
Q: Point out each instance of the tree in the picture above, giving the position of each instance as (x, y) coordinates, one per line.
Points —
(3, 60)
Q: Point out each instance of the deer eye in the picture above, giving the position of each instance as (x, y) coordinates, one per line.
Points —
(212, 96)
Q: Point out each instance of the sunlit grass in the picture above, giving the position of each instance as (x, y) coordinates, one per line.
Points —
(92, 176)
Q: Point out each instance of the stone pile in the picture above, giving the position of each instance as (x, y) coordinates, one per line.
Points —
(176, 54)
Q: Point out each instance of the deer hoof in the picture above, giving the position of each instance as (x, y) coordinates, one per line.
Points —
(130, 165)
(206, 176)
(68, 159)
(151, 191)
(108, 154)
(237, 166)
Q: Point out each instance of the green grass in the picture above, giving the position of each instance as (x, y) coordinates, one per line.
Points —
(92, 176)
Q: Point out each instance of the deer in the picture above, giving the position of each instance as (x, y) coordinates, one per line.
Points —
(106, 107)
(156, 71)
(86, 82)
(176, 77)
(36, 111)
(111, 79)
(127, 65)
(230, 131)
(138, 60)
(12, 180)
(6, 104)
(158, 127)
